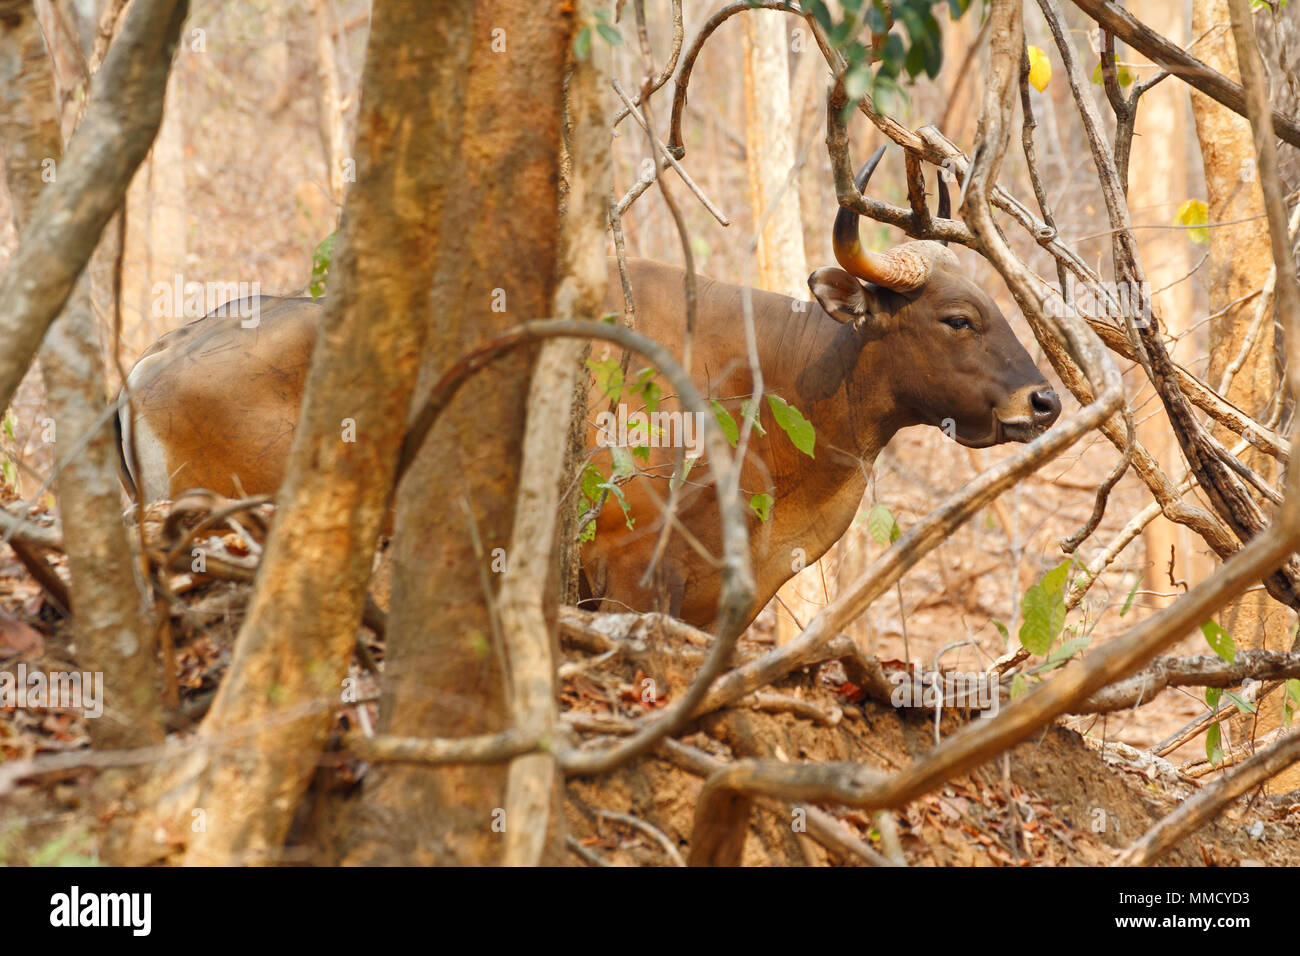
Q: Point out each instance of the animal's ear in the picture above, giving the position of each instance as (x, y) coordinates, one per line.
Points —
(842, 296)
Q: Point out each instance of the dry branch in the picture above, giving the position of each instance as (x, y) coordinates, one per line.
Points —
(1180, 63)
(121, 121)
(675, 144)
(737, 577)
(1193, 814)
(724, 802)
(1199, 671)
(1218, 479)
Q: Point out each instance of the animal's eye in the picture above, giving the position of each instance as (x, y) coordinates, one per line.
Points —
(957, 322)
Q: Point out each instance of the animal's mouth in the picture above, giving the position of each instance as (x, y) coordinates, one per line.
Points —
(1002, 431)
(1018, 431)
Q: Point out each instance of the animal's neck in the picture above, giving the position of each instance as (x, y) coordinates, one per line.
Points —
(839, 379)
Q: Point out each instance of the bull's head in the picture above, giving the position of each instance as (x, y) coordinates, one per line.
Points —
(959, 359)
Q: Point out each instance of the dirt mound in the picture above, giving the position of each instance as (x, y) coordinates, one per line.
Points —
(1056, 799)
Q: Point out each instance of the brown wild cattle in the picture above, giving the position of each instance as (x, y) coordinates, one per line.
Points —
(892, 339)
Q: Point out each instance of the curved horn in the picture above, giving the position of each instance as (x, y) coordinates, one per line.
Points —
(902, 269)
(945, 203)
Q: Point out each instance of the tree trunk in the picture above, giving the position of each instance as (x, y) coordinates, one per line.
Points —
(497, 266)
(154, 241)
(329, 101)
(1240, 262)
(270, 719)
(1158, 184)
(770, 155)
(770, 129)
(113, 623)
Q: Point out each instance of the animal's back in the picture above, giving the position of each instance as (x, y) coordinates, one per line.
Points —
(216, 403)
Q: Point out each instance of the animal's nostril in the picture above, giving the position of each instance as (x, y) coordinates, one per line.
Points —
(1045, 404)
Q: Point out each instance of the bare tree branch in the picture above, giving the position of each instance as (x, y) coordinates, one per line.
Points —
(121, 121)
(1180, 63)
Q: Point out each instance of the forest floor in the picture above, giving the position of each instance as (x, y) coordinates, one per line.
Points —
(1059, 798)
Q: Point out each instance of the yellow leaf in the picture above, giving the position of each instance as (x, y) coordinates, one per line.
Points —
(1194, 212)
(1040, 69)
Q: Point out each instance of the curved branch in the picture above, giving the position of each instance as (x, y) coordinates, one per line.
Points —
(1220, 483)
(664, 74)
(737, 577)
(1206, 805)
(675, 144)
(122, 118)
(1203, 670)
(1180, 63)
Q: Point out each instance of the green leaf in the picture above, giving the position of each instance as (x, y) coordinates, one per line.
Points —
(1214, 744)
(1054, 580)
(9, 427)
(1002, 629)
(1212, 696)
(591, 479)
(582, 43)
(642, 452)
(1068, 649)
(762, 505)
(1194, 212)
(609, 377)
(725, 422)
(1043, 610)
(749, 410)
(1243, 706)
(588, 532)
(320, 266)
(1291, 702)
(623, 463)
(1220, 641)
(651, 393)
(676, 480)
(1128, 601)
(822, 14)
(609, 34)
(857, 82)
(1036, 631)
(1123, 75)
(792, 422)
(617, 492)
(882, 525)
(62, 851)
(1018, 686)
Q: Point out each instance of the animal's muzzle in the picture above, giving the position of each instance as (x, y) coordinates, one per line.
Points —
(1045, 407)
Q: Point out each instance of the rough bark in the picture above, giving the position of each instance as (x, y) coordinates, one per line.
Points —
(1159, 183)
(329, 101)
(770, 155)
(455, 507)
(534, 789)
(770, 128)
(111, 608)
(1240, 263)
(120, 124)
(269, 721)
